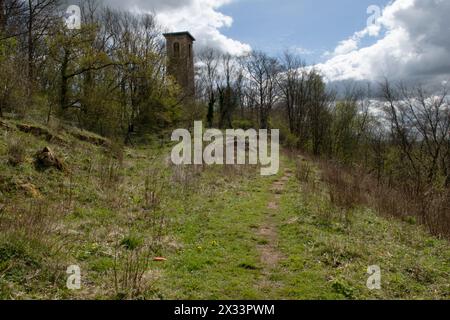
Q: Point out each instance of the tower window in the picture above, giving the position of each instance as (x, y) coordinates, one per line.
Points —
(190, 50)
(176, 49)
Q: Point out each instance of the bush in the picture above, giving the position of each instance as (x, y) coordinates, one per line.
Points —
(16, 151)
(243, 124)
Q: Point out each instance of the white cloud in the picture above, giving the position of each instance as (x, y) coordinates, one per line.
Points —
(415, 45)
(352, 44)
(200, 17)
(346, 46)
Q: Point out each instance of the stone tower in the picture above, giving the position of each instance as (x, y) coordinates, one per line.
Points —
(180, 53)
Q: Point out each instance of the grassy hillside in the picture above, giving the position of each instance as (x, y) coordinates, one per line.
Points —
(223, 232)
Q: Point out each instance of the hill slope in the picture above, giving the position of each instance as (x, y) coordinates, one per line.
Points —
(217, 232)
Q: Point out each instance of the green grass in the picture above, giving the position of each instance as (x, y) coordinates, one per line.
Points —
(111, 208)
(414, 265)
(219, 259)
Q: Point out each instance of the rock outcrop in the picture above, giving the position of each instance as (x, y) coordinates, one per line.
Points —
(47, 159)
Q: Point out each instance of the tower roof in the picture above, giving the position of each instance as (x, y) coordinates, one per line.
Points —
(177, 34)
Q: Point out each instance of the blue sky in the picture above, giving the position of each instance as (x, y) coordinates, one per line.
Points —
(314, 25)
(409, 41)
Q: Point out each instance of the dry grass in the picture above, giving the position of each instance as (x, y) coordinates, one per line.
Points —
(16, 151)
(345, 189)
(131, 262)
(304, 171)
(349, 188)
(31, 249)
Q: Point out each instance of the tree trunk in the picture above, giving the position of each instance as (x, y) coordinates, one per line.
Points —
(210, 115)
(64, 82)
(30, 41)
(2, 17)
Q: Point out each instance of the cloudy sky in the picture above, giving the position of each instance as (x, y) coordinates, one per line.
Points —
(346, 39)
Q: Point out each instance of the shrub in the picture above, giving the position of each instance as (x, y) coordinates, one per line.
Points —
(16, 151)
(131, 262)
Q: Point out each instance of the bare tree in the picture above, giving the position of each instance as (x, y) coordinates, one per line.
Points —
(2, 16)
(209, 60)
(420, 126)
(40, 16)
(307, 102)
(262, 72)
(228, 99)
(11, 18)
(294, 88)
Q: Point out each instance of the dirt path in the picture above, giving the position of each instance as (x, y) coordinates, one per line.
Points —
(269, 254)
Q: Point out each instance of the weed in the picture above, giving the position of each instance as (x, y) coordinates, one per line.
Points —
(344, 289)
(131, 242)
(131, 262)
(304, 171)
(16, 151)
